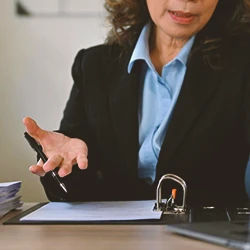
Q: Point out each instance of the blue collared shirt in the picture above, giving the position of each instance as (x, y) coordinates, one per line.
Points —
(157, 100)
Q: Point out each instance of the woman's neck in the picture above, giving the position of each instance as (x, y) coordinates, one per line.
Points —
(163, 48)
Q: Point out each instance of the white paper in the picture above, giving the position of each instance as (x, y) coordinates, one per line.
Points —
(95, 211)
(9, 184)
(7, 187)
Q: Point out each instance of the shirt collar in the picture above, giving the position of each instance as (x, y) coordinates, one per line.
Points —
(141, 50)
(184, 52)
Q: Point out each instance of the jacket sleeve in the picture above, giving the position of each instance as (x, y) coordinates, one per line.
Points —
(80, 183)
(246, 104)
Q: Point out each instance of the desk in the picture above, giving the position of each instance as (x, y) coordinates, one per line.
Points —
(90, 237)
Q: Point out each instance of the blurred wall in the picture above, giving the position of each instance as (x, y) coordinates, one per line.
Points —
(36, 55)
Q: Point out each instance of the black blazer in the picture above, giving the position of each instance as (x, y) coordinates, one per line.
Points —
(206, 144)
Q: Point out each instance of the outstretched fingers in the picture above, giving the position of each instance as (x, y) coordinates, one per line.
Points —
(53, 162)
(82, 161)
(41, 169)
(37, 169)
(65, 168)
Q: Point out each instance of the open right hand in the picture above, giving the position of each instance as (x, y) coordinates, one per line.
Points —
(61, 150)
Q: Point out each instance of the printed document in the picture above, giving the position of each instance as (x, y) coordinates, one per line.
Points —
(95, 211)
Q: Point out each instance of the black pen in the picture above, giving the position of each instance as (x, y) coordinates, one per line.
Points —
(33, 143)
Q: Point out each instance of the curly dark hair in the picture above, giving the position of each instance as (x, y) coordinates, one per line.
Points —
(127, 18)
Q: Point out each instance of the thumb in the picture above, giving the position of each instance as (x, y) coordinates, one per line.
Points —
(32, 128)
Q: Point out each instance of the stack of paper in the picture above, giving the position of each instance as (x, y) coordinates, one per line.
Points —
(9, 199)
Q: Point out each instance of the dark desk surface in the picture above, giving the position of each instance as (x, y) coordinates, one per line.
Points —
(62, 237)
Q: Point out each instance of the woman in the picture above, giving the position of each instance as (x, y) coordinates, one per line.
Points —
(168, 93)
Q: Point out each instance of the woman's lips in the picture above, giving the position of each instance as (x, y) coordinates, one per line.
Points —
(182, 17)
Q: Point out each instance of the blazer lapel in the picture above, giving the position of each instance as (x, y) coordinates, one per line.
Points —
(124, 111)
(199, 84)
